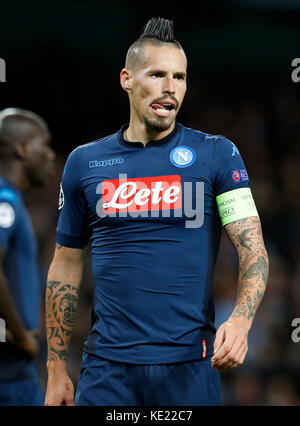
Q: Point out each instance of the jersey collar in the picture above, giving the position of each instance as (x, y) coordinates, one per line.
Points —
(162, 141)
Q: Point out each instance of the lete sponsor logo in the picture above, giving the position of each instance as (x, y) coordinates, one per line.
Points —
(148, 196)
(142, 194)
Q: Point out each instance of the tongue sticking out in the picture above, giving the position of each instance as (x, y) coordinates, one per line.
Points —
(160, 110)
(156, 106)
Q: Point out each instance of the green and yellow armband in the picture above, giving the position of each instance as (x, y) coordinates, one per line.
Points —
(235, 205)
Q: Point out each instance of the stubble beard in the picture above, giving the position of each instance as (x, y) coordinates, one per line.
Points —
(158, 125)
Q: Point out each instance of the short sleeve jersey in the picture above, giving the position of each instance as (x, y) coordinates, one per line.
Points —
(18, 243)
(151, 217)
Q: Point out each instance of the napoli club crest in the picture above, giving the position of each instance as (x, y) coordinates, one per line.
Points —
(182, 156)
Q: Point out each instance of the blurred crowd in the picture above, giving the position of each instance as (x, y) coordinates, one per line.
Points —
(264, 124)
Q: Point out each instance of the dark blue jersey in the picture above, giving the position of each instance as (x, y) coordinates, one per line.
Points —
(21, 271)
(152, 260)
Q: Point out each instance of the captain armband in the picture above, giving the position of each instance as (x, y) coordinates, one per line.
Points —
(236, 205)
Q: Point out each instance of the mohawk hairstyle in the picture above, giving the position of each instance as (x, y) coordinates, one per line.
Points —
(159, 28)
(157, 31)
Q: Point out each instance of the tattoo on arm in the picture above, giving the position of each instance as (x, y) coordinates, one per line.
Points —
(61, 308)
(246, 236)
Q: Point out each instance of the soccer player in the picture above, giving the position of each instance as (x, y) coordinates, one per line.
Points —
(26, 161)
(133, 195)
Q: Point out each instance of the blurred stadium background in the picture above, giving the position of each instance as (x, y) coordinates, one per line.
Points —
(63, 62)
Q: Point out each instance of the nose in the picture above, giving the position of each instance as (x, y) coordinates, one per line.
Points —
(169, 86)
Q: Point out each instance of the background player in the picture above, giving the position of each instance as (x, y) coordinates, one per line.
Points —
(26, 161)
(152, 338)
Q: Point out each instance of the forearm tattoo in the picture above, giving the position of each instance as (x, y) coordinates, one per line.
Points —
(61, 308)
(247, 238)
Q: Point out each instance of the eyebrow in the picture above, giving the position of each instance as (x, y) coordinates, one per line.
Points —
(154, 71)
(182, 74)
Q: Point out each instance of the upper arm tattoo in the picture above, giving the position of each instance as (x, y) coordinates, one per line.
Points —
(246, 234)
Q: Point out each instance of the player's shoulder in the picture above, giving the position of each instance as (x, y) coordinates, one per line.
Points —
(205, 138)
(11, 205)
(217, 145)
(96, 145)
(8, 193)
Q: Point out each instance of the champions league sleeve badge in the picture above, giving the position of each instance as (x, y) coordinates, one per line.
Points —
(61, 198)
(7, 215)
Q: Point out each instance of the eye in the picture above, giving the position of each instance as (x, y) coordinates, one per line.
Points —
(179, 77)
(156, 74)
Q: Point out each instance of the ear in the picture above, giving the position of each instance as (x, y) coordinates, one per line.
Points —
(21, 150)
(126, 80)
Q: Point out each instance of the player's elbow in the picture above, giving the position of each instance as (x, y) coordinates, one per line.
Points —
(66, 261)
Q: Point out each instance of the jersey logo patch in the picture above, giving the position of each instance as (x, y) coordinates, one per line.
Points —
(104, 163)
(182, 156)
(240, 175)
(142, 194)
(61, 198)
(7, 215)
(234, 150)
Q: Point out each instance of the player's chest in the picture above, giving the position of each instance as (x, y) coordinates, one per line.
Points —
(146, 180)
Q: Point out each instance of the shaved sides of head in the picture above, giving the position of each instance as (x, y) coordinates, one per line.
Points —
(158, 32)
(17, 125)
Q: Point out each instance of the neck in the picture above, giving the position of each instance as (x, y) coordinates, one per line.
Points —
(139, 132)
(15, 174)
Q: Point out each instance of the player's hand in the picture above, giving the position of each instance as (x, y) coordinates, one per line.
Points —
(28, 343)
(60, 389)
(231, 344)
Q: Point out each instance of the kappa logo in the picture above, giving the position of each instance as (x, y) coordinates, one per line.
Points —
(182, 156)
(104, 163)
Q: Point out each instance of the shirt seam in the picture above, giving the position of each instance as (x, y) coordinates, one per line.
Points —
(71, 236)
